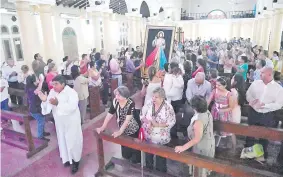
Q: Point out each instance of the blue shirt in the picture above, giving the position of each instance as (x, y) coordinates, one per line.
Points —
(214, 59)
(256, 75)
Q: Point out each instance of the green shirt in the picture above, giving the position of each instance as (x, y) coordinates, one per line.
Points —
(244, 67)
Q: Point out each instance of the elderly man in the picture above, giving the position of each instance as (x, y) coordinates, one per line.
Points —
(10, 73)
(198, 86)
(264, 96)
(63, 102)
(38, 65)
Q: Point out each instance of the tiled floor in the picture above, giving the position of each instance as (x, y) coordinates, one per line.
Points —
(47, 163)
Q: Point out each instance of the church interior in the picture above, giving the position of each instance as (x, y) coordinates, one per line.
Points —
(71, 36)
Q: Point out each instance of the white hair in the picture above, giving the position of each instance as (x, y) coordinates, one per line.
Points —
(200, 74)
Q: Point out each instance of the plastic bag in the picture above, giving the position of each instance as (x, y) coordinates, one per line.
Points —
(254, 151)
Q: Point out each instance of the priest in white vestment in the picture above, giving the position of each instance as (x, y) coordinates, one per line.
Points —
(63, 102)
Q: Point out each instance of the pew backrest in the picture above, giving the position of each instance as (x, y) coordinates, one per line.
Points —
(200, 161)
(19, 93)
(273, 134)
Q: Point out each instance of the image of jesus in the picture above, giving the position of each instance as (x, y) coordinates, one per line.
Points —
(157, 56)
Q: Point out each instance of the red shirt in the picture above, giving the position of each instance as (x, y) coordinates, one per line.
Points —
(49, 77)
(83, 69)
(200, 69)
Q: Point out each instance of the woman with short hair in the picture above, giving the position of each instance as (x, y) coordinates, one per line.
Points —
(157, 119)
(200, 132)
(123, 106)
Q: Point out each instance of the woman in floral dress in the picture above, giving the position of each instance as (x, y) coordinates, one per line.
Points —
(157, 119)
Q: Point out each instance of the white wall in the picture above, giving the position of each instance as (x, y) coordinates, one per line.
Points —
(6, 21)
(216, 28)
(205, 6)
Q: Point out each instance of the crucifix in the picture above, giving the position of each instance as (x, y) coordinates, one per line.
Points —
(180, 35)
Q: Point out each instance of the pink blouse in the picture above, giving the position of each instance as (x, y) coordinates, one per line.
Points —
(49, 77)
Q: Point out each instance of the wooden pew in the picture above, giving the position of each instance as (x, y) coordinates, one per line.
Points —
(271, 134)
(31, 144)
(130, 82)
(245, 130)
(20, 93)
(199, 161)
(95, 105)
(113, 85)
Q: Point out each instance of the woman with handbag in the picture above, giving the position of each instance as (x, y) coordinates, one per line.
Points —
(200, 132)
(157, 119)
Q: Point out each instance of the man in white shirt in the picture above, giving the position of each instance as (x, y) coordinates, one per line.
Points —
(4, 93)
(10, 73)
(264, 96)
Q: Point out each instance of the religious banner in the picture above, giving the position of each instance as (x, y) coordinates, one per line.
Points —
(159, 42)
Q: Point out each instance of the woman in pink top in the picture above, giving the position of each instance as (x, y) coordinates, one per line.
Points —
(201, 65)
(84, 64)
(52, 72)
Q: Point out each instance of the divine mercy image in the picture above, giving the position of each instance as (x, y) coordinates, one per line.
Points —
(158, 46)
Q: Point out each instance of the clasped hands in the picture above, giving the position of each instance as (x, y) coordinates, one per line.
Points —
(43, 97)
(153, 123)
(256, 104)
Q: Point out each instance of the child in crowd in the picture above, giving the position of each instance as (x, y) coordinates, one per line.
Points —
(213, 77)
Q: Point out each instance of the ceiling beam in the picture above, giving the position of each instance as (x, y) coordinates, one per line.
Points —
(83, 5)
(58, 2)
(79, 3)
(71, 4)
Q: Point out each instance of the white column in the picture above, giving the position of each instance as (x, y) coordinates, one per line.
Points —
(138, 30)
(106, 30)
(114, 37)
(59, 50)
(231, 33)
(132, 25)
(276, 31)
(196, 30)
(259, 30)
(47, 31)
(29, 34)
(255, 28)
(238, 29)
(266, 32)
(96, 27)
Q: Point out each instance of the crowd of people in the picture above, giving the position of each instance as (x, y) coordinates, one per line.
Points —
(207, 80)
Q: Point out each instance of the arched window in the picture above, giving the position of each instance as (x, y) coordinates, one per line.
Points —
(118, 6)
(70, 45)
(144, 10)
(18, 49)
(4, 30)
(15, 30)
(123, 34)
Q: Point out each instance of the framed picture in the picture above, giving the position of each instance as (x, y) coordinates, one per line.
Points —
(158, 47)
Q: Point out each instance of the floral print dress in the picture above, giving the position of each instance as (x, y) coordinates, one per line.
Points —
(221, 102)
(158, 135)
